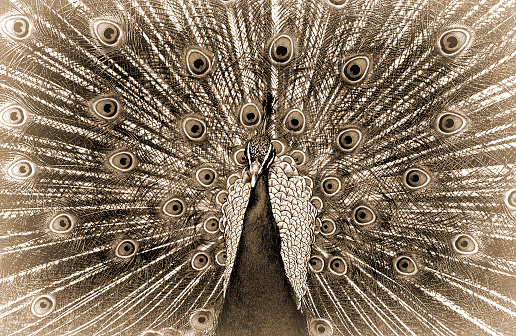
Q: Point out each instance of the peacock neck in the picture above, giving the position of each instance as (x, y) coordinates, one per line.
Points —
(259, 299)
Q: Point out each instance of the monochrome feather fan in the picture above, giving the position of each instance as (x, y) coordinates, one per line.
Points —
(297, 167)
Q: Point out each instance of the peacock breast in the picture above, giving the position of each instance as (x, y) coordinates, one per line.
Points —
(290, 194)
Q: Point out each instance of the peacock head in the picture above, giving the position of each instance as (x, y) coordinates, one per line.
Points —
(260, 155)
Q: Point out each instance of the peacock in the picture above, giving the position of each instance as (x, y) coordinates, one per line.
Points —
(257, 167)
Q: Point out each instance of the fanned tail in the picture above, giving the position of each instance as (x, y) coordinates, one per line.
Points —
(123, 126)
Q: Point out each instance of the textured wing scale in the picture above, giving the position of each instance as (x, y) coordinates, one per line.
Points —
(294, 214)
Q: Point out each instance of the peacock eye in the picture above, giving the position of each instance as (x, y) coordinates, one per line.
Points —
(510, 199)
(250, 115)
(279, 147)
(239, 157)
(198, 63)
(21, 170)
(106, 108)
(294, 121)
(221, 197)
(62, 223)
(107, 32)
(174, 207)
(221, 257)
(13, 116)
(200, 261)
(16, 27)
(123, 161)
(126, 248)
(405, 265)
(355, 69)
(316, 264)
(211, 225)
(232, 179)
(202, 320)
(43, 305)
(349, 139)
(320, 327)
(331, 186)
(317, 203)
(363, 215)
(206, 176)
(415, 178)
(337, 266)
(464, 244)
(299, 157)
(222, 224)
(194, 129)
(327, 227)
(281, 50)
(450, 123)
(453, 41)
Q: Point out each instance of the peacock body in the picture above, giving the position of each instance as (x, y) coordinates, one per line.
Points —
(237, 167)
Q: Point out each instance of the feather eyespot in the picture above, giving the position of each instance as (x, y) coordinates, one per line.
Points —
(194, 129)
(279, 147)
(453, 41)
(174, 207)
(337, 265)
(16, 27)
(126, 248)
(199, 63)
(250, 115)
(510, 199)
(222, 224)
(13, 116)
(317, 203)
(349, 139)
(364, 215)
(202, 320)
(107, 32)
(405, 265)
(288, 159)
(464, 244)
(281, 50)
(320, 327)
(316, 264)
(206, 176)
(294, 121)
(416, 178)
(200, 261)
(222, 197)
(211, 225)
(327, 227)
(355, 70)
(43, 305)
(123, 161)
(62, 223)
(21, 170)
(221, 257)
(331, 186)
(309, 182)
(299, 157)
(450, 123)
(232, 179)
(240, 158)
(106, 108)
